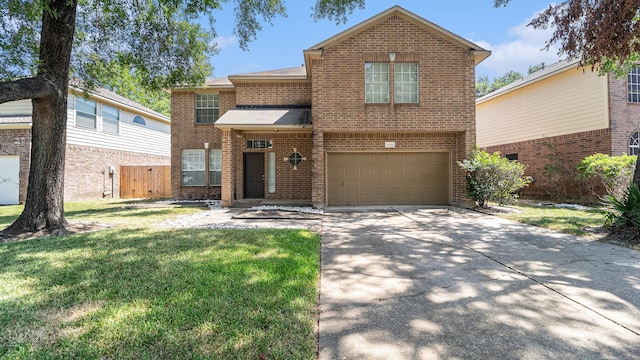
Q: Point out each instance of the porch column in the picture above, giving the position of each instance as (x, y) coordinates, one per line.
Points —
(228, 167)
(318, 188)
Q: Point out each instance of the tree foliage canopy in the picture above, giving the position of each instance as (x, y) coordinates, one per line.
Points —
(163, 42)
(154, 43)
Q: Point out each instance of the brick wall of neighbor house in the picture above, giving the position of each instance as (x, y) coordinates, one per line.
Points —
(624, 116)
(87, 170)
(446, 91)
(283, 93)
(18, 142)
(570, 149)
(186, 134)
(290, 183)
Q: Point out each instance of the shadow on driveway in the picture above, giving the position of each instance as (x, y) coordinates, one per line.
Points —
(423, 283)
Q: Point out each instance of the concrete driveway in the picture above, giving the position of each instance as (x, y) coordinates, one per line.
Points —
(429, 283)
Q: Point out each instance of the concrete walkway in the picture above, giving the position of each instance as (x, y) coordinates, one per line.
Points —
(415, 283)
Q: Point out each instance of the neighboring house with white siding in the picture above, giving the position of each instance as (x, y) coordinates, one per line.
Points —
(104, 132)
(560, 115)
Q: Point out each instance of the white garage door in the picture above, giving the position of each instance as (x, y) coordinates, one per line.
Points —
(9, 179)
(388, 178)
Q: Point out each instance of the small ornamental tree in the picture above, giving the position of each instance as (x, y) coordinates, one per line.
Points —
(490, 177)
(613, 172)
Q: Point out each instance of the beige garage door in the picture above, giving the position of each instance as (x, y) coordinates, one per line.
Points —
(388, 178)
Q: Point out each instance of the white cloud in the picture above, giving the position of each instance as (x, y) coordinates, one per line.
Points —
(525, 48)
(226, 41)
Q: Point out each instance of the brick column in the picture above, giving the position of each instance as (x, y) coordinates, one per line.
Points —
(228, 170)
(318, 171)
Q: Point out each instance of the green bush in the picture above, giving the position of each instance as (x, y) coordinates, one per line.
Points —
(624, 213)
(613, 172)
(490, 177)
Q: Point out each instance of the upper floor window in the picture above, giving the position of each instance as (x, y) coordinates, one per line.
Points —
(634, 145)
(633, 85)
(85, 112)
(139, 120)
(376, 79)
(405, 82)
(110, 119)
(207, 108)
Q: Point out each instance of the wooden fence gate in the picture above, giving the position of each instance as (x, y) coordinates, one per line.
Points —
(146, 182)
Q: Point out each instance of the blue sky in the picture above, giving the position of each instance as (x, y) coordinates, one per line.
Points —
(514, 45)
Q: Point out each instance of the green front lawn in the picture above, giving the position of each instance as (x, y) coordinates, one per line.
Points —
(134, 291)
(564, 220)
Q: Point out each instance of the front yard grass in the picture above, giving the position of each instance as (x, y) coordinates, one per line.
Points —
(133, 291)
(565, 220)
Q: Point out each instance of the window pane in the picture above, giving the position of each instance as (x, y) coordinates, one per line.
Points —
(406, 82)
(633, 85)
(207, 108)
(215, 167)
(85, 113)
(634, 144)
(376, 82)
(110, 119)
(85, 120)
(272, 172)
(193, 178)
(193, 167)
(193, 159)
(85, 105)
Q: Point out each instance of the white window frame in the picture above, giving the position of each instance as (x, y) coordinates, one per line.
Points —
(112, 122)
(207, 108)
(405, 83)
(633, 85)
(215, 167)
(193, 167)
(84, 114)
(634, 143)
(376, 83)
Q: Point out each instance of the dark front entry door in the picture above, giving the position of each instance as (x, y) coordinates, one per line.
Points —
(254, 175)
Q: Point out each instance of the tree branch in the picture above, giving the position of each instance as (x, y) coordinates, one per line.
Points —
(27, 88)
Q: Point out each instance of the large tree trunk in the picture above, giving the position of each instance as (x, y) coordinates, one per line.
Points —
(44, 206)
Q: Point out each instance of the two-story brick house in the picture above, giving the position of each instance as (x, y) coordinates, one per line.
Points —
(378, 115)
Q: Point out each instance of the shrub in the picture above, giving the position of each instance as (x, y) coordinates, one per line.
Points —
(613, 172)
(559, 178)
(624, 213)
(491, 177)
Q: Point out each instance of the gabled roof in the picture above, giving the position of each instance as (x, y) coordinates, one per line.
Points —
(539, 75)
(294, 73)
(78, 86)
(476, 51)
(219, 83)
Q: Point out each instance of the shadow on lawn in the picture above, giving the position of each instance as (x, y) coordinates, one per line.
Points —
(160, 294)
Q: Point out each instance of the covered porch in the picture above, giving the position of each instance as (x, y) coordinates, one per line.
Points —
(266, 155)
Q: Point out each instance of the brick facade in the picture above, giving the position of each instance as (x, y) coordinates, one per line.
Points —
(18, 142)
(333, 85)
(446, 98)
(567, 149)
(86, 168)
(624, 116)
(86, 172)
(281, 93)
